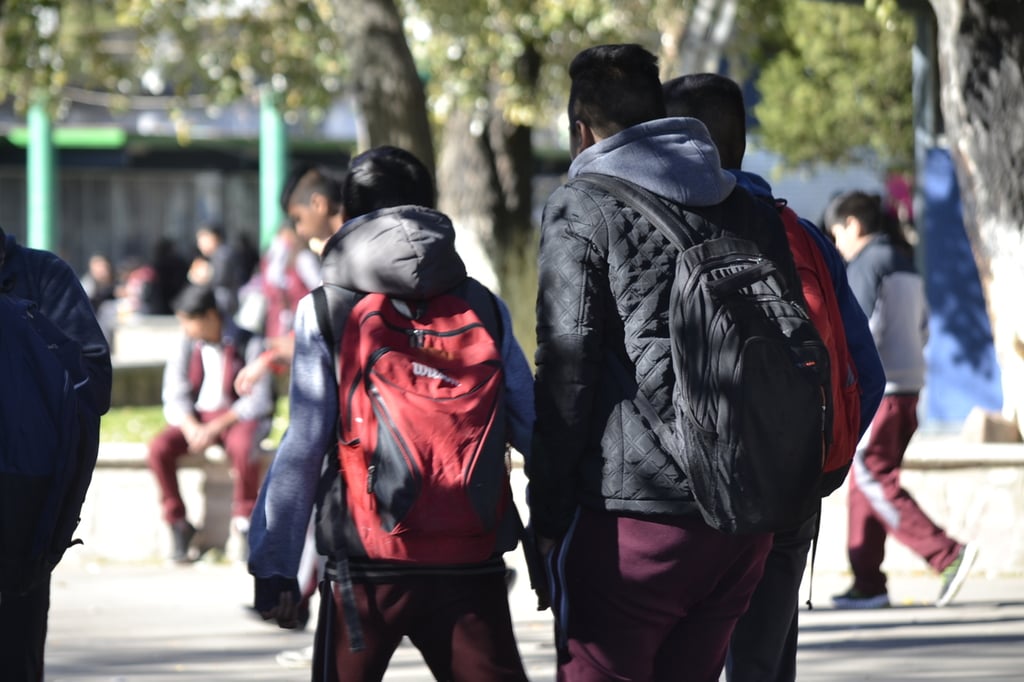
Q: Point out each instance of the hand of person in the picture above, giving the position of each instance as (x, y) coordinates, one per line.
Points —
(285, 612)
(283, 346)
(191, 429)
(250, 375)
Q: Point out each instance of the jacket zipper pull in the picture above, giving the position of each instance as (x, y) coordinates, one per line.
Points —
(370, 471)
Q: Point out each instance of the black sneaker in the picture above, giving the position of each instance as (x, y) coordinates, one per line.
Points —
(855, 599)
(182, 533)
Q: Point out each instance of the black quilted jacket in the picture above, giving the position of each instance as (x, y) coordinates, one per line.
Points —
(602, 329)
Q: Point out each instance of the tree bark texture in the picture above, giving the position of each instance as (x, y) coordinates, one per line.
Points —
(388, 88)
(981, 66)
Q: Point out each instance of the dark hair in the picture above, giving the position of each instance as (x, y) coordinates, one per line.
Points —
(306, 180)
(214, 228)
(717, 102)
(867, 209)
(384, 177)
(194, 301)
(614, 87)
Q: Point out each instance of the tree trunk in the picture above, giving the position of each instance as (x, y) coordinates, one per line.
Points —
(981, 65)
(388, 88)
(485, 178)
(485, 172)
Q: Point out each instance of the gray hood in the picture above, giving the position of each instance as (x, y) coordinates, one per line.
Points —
(672, 157)
(407, 252)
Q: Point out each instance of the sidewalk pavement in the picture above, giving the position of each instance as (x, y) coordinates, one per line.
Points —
(157, 623)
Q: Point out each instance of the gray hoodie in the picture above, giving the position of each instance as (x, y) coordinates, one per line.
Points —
(407, 252)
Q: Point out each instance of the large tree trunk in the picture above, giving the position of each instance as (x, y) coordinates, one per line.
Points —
(387, 86)
(485, 171)
(485, 177)
(981, 64)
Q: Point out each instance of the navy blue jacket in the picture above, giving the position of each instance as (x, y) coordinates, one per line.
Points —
(870, 373)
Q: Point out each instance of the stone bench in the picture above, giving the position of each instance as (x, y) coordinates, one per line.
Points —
(975, 491)
(121, 517)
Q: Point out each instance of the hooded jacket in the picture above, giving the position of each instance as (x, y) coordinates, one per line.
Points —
(406, 252)
(891, 292)
(602, 326)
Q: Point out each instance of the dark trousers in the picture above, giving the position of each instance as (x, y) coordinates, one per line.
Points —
(763, 645)
(23, 634)
(879, 505)
(653, 598)
(238, 440)
(460, 624)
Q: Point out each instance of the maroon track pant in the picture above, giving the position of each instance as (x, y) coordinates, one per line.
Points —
(653, 598)
(880, 506)
(238, 440)
(460, 624)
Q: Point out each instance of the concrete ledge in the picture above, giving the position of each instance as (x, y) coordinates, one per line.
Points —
(973, 491)
(122, 519)
(930, 452)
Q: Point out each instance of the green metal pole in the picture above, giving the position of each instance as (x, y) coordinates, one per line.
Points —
(40, 179)
(273, 154)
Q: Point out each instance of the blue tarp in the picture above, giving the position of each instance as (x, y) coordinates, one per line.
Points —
(962, 368)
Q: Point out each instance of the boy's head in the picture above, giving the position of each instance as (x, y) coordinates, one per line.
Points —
(613, 88)
(312, 200)
(717, 102)
(851, 219)
(209, 236)
(197, 312)
(384, 177)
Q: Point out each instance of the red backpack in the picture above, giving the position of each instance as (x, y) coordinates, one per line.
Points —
(823, 309)
(422, 433)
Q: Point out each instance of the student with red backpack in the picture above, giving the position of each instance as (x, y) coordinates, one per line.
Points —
(764, 643)
(407, 375)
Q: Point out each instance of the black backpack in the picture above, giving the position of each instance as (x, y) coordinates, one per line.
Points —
(752, 397)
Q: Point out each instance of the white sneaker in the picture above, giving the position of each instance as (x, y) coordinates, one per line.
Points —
(296, 658)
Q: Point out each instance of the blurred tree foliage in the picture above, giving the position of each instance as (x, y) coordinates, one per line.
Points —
(128, 54)
(835, 84)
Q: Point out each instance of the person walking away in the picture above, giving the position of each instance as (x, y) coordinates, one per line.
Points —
(52, 285)
(764, 644)
(644, 588)
(202, 409)
(889, 289)
(454, 610)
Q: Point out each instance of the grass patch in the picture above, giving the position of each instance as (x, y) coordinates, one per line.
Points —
(139, 424)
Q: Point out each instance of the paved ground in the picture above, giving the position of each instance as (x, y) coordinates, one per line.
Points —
(161, 623)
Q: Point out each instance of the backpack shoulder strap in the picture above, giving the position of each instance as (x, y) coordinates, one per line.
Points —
(332, 304)
(647, 203)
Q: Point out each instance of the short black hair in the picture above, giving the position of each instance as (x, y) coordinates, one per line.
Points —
(614, 87)
(214, 228)
(866, 208)
(306, 180)
(194, 301)
(717, 102)
(384, 177)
